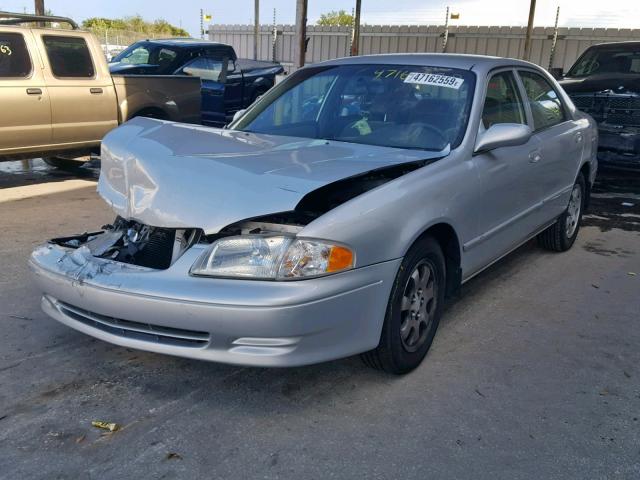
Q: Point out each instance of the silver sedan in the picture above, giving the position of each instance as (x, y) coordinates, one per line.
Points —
(334, 217)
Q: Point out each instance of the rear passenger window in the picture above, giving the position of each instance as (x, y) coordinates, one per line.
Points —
(14, 57)
(69, 56)
(502, 103)
(546, 107)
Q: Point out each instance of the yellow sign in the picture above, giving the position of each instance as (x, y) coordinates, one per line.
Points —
(207, 17)
(455, 16)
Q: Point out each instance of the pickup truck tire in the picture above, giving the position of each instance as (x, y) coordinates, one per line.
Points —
(63, 163)
(560, 236)
(413, 312)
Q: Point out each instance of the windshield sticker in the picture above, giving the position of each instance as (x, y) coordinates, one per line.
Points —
(391, 73)
(434, 79)
(5, 49)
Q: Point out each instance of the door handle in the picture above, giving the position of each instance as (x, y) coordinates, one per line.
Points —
(535, 156)
(95, 90)
(34, 91)
(578, 137)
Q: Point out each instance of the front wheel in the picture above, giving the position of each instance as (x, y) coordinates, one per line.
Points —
(560, 236)
(413, 311)
(64, 163)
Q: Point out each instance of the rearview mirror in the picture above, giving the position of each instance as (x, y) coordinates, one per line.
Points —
(502, 135)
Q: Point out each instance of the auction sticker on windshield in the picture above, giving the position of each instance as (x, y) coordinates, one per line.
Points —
(434, 79)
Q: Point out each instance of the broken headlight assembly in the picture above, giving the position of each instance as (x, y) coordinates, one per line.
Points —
(272, 257)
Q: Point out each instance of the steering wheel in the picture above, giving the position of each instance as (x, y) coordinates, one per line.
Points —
(439, 133)
(423, 128)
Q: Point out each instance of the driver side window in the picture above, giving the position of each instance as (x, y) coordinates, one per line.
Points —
(503, 103)
(207, 69)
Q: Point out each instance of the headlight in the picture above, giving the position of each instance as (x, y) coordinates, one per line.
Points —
(272, 257)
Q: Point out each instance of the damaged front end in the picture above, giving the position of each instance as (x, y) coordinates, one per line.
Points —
(130, 242)
(618, 118)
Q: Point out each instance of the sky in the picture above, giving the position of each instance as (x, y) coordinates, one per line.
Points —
(186, 13)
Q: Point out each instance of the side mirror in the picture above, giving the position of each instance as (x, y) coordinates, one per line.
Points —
(231, 66)
(502, 135)
(238, 114)
(557, 72)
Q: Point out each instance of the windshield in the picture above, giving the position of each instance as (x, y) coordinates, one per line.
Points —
(607, 60)
(389, 105)
(145, 53)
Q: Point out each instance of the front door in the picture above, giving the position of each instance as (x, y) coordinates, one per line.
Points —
(234, 90)
(25, 119)
(508, 193)
(83, 102)
(212, 73)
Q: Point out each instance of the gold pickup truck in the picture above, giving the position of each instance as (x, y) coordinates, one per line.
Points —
(58, 99)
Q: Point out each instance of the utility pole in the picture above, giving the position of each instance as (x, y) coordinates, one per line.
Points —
(256, 27)
(445, 36)
(274, 37)
(527, 39)
(201, 23)
(301, 32)
(39, 9)
(355, 41)
(555, 39)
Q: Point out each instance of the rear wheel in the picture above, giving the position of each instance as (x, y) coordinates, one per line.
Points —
(413, 311)
(560, 236)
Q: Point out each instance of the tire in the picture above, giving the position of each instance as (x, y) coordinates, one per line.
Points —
(63, 163)
(560, 236)
(400, 350)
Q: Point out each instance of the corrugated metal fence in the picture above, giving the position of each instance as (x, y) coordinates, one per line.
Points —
(333, 42)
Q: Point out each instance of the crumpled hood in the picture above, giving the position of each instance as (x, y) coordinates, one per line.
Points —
(187, 176)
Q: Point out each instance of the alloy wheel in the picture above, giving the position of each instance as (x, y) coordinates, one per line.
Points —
(573, 211)
(418, 306)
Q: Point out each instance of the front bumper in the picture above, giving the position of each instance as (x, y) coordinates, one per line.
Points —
(244, 322)
(619, 147)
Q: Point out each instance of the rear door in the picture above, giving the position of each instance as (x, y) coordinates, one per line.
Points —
(508, 198)
(561, 144)
(83, 101)
(25, 114)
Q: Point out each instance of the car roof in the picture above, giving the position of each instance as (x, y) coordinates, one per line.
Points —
(446, 60)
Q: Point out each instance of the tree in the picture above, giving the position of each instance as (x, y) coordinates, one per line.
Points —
(333, 18)
(136, 24)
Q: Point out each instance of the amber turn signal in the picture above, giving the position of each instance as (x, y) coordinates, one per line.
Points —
(340, 258)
